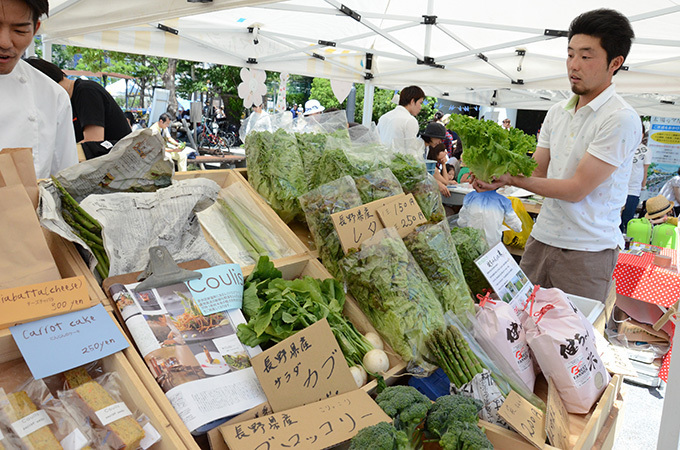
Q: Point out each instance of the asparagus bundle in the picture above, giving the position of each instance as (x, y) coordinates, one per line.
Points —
(85, 226)
(452, 353)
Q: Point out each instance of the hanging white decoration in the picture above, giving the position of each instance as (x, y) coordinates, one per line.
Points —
(341, 89)
(252, 89)
(283, 88)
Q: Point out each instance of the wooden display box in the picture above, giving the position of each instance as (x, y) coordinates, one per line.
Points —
(228, 177)
(595, 430)
(71, 264)
(291, 267)
(132, 390)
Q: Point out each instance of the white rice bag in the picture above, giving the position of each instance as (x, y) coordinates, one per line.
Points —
(563, 342)
(498, 325)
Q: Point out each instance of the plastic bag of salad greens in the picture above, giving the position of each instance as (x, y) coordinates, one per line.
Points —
(428, 197)
(395, 295)
(319, 204)
(341, 158)
(276, 171)
(470, 245)
(433, 249)
(377, 185)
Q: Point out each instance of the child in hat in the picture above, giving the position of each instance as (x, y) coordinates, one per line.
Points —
(660, 210)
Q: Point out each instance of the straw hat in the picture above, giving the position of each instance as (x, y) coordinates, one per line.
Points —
(658, 206)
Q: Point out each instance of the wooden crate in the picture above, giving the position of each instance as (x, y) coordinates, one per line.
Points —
(595, 430)
(71, 264)
(132, 390)
(291, 267)
(226, 178)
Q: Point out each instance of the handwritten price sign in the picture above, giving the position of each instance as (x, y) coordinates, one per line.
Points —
(403, 214)
(524, 418)
(356, 225)
(76, 337)
(26, 303)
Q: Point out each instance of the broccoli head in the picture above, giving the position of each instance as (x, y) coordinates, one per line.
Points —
(382, 436)
(465, 436)
(450, 409)
(405, 405)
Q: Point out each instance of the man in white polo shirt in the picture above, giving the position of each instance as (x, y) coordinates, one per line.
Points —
(584, 156)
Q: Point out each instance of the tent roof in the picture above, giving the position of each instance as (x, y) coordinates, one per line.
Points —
(477, 53)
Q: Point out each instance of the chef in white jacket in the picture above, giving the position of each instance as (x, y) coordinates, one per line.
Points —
(36, 112)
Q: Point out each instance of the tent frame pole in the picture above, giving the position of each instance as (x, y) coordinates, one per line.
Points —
(369, 90)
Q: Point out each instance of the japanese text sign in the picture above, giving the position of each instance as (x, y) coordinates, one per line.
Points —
(355, 225)
(556, 418)
(220, 288)
(403, 214)
(304, 368)
(60, 343)
(40, 300)
(318, 425)
(525, 418)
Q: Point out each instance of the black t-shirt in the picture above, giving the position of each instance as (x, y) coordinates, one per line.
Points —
(92, 105)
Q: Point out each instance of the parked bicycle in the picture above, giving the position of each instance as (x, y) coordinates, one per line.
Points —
(214, 140)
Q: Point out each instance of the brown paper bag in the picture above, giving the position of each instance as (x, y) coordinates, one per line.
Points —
(25, 259)
(22, 159)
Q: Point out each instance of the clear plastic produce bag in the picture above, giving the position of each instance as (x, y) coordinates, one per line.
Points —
(395, 295)
(377, 185)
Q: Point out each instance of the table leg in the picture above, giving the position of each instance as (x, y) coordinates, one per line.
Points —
(669, 431)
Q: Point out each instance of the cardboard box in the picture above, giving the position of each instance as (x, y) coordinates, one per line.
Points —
(595, 430)
(226, 178)
(132, 390)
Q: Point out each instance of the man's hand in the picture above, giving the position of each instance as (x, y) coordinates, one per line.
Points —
(483, 186)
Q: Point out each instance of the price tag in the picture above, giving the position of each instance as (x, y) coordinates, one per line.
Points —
(304, 368)
(321, 424)
(77, 338)
(355, 225)
(403, 214)
(26, 303)
(557, 419)
(524, 418)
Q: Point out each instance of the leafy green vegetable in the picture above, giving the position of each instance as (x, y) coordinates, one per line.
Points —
(377, 185)
(278, 308)
(433, 249)
(491, 151)
(429, 199)
(408, 170)
(341, 158)
(319, 204)
(276, 171)
(470, 245)
(394, 293)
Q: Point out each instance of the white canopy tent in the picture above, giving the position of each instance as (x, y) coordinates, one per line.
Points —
(490, 53)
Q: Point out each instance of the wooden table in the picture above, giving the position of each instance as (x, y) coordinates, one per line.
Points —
(225, 161)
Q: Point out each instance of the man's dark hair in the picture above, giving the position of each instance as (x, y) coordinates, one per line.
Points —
(38, 8)
(410, 93)
(611, 27)
(131, 117)
(51, 70)
(164, 117)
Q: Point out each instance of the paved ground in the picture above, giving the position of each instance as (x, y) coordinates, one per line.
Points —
(641, 417)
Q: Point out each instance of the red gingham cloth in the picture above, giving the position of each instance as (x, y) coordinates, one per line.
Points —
(637, 277)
